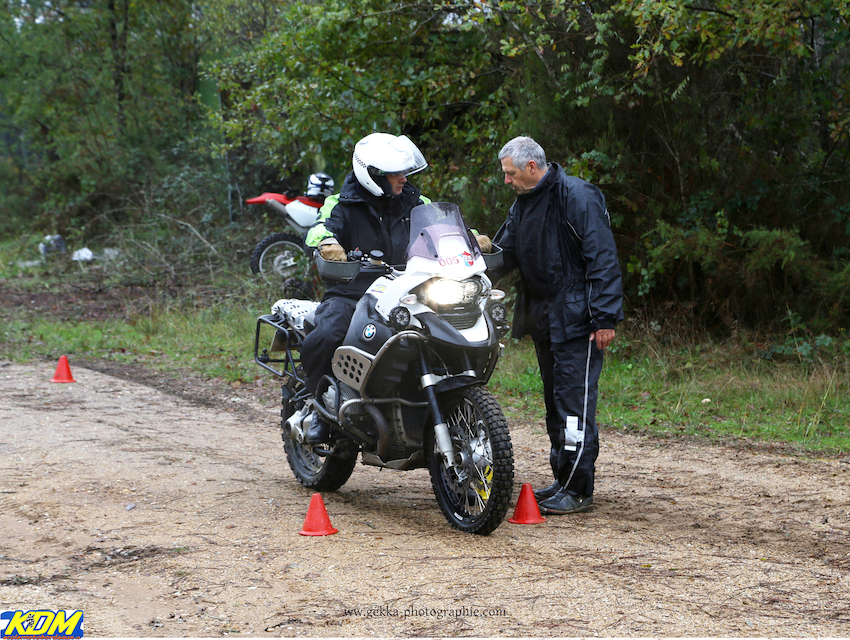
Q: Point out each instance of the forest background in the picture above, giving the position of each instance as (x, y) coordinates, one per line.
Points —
(719, 132)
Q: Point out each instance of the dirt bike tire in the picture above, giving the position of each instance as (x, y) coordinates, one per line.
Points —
(479, 503)
(275, 257)
(319, 473)
(299, 289)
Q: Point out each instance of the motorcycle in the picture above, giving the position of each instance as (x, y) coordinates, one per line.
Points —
(408, 386)
(281, 257)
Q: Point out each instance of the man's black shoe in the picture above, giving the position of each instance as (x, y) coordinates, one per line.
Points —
(548, 492)
(319, 431)
(565, 502)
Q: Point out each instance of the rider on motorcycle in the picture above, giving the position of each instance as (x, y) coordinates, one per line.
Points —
(372, 211)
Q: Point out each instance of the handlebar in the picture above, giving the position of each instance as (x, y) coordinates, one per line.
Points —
(357, 263)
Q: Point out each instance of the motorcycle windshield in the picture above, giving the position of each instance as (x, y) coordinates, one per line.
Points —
(438, 232)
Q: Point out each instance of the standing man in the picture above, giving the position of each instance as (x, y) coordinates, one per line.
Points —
(569, 300)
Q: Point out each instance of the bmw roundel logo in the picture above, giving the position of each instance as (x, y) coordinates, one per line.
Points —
(369, 332)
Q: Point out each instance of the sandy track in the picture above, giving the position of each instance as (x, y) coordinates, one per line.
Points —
(175, 515)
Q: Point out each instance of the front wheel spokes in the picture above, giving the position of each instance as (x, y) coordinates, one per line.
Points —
(475, 477)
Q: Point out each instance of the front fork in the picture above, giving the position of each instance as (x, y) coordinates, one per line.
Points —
(441, 429)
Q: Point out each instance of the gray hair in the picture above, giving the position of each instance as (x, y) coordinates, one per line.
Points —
(522, 150)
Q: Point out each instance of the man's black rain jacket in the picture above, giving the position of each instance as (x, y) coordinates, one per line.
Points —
(585, 287)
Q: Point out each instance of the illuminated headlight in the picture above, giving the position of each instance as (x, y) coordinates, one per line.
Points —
(400, 318)
(445, 292)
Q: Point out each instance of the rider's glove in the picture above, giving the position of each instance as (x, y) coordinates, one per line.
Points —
(484, 244)
(331, 249)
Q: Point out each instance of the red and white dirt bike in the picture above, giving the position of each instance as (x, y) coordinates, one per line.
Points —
(282, 258)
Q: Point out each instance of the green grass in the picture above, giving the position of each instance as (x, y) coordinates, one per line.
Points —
(724, 393)
(215, 343)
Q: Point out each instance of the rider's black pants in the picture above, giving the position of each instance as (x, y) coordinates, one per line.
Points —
(332, 319)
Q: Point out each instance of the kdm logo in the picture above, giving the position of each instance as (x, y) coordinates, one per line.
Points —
(41, 623)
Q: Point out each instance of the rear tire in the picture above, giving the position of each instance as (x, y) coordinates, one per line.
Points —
(276, 257)
(319, 473)
(475, 494)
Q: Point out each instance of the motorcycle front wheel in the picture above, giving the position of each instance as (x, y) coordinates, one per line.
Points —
(474, 494)
(275, 258)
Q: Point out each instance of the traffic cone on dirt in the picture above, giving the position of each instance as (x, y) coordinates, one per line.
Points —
(317, 522)
(527, 511)
(63, 371)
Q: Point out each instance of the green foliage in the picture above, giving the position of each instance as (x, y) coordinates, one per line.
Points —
(96, 97)
(731, 276)
(333, 73)
(719, 132)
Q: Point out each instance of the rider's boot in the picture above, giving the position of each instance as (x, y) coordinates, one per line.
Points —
(319, 431)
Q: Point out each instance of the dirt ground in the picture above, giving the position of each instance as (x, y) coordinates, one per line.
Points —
(164, 507)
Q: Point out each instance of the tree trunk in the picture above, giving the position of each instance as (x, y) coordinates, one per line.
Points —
(119, 53)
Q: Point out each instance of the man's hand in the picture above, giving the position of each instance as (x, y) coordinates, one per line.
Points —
(603, 337)
(484, 243)
(333, 252)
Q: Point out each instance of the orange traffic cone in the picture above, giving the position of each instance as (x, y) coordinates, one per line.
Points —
(527, 511)
(63, 371)
(317, 522)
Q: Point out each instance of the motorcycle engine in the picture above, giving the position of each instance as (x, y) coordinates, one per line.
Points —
(346, 393)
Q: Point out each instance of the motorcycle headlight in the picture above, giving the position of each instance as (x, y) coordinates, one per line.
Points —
(443, 292)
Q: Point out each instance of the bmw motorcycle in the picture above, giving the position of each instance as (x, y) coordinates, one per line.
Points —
(408, 385)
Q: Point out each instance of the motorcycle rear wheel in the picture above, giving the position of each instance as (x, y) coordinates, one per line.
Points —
(275, 257)
(474, 495)
(319, 473)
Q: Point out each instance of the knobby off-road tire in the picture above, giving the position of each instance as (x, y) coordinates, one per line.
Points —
(474, 495)
(275, 258)
(299, 289)
(319, 473)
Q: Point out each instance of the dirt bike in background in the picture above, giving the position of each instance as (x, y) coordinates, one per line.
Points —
(282, 258)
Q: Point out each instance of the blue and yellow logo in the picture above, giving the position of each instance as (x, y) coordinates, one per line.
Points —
(41, 623)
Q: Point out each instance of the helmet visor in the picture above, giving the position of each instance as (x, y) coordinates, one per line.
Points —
(406, 160)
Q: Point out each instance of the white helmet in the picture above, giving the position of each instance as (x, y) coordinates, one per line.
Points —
(320, 184)
(378, 154)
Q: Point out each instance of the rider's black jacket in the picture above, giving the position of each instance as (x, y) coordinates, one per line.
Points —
(361, 220)
(559, 235)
